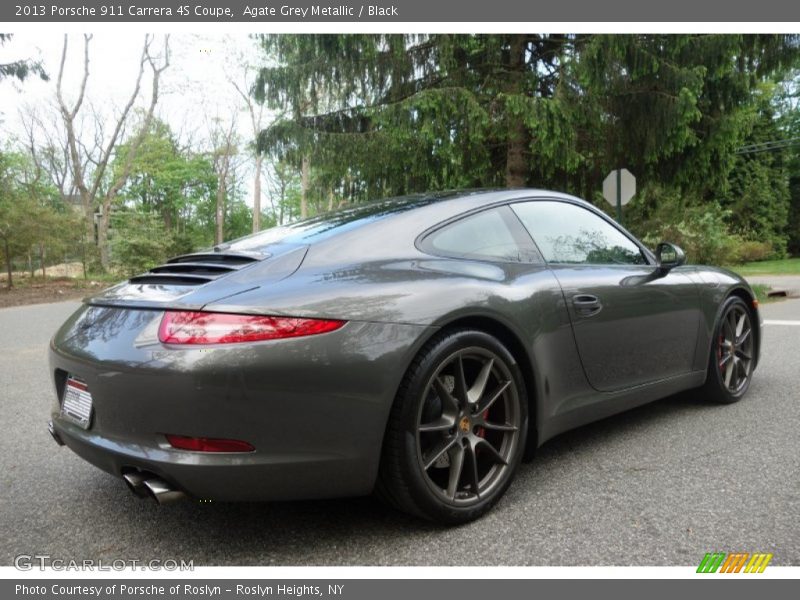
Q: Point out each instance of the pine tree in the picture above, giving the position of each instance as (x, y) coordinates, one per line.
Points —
(377, 115)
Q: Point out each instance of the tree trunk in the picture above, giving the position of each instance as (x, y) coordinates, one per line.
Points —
(88, 214)
(219, 234)
(10, 281)
(90, 241)
(102, 235)
(42, 257)
(257, 195)
(282, 203)
(30, 264)
(84, 261)
(304, 188)
(516, 163)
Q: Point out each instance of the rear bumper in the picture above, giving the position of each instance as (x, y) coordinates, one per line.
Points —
(225, 477)
(314, 408)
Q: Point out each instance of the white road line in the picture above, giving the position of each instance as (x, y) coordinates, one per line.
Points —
(774, 322)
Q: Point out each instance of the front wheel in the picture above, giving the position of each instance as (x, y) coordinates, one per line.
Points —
(730, 367)
(457, 429)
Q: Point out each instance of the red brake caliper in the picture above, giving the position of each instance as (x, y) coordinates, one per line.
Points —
(481, 430)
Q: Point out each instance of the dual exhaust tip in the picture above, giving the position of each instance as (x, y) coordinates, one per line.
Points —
(146, 485)
(141, 483)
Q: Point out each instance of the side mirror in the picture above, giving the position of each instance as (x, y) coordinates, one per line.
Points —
(669, 256)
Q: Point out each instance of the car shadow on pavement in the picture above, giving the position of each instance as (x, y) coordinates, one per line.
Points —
(303, 532)
(606, 430)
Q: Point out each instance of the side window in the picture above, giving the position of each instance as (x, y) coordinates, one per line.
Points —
(487, 235)
(566, 233)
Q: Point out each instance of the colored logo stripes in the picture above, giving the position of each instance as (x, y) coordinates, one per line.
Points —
(734, 562)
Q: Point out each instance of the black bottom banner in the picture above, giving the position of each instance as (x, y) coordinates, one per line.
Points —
(391, 589)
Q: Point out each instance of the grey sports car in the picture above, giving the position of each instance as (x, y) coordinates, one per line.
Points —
(416, 347)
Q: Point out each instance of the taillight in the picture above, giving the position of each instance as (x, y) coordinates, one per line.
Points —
(201, 444)
(187, 327)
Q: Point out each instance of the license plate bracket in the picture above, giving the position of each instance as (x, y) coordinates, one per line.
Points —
(76, 404)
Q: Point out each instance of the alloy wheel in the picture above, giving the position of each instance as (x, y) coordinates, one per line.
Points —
(735, 348)
(468, 427)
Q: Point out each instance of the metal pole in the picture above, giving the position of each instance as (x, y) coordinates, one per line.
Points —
(619, 196)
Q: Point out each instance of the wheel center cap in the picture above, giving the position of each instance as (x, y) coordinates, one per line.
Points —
(464, 424)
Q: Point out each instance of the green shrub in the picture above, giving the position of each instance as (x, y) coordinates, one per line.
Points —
(138, 242)
(751, 251)
(700, 226)
(183, 242)
(701, 232)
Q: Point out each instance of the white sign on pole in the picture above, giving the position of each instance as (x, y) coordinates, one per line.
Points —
(627, 187)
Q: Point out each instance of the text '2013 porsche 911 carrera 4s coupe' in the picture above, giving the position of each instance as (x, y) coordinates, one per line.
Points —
(416, 347)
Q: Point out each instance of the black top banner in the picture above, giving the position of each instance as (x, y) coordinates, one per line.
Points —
(398, 11)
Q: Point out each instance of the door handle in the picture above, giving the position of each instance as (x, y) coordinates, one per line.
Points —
(587, 304)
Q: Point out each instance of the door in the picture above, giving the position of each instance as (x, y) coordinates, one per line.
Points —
(631, 324)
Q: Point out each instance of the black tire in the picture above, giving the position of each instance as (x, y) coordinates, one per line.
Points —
(733, 350)
(457, 430)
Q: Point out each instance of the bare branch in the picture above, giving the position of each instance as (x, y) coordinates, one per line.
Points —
(133, 148)
(69, 115)
(105, 156)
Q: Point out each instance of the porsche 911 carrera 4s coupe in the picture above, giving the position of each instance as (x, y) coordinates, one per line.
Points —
(416, 347)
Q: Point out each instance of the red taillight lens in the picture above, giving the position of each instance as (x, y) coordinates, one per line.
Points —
(182, 442)
(186, 327)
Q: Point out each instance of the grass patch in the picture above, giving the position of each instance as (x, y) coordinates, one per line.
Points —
(787, 266)
(761, 292)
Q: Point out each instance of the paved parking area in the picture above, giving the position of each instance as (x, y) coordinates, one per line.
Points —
(660, 485)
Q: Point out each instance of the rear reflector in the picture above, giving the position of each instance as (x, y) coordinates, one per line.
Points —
(182, 442)
(187, 327)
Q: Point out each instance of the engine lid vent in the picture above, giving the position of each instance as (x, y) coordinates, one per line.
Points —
(195, 269)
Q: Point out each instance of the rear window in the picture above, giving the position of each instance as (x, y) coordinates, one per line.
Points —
(315, 229)
(302, 232)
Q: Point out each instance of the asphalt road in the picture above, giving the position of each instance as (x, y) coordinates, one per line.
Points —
(660, 485)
